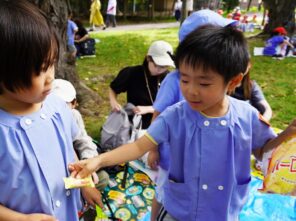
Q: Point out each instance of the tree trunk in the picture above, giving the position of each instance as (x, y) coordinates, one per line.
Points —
(280, 13)
(125, 9)
(249, 5)
(57, 11)
(151, 9)
(184, 11)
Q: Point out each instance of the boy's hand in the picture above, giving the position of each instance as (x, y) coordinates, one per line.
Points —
(92, 196)
(84, 168)
(153, 159)
(39, 217)
(291, 129)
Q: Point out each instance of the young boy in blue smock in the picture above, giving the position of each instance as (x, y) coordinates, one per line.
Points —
(211, 135)
(169, 93)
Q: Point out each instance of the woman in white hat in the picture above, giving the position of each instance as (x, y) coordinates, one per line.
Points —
(141, 82)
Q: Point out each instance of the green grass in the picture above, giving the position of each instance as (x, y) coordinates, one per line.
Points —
(117, 50)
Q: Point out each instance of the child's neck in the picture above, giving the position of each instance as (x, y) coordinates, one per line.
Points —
(18, 108)
(220, 109)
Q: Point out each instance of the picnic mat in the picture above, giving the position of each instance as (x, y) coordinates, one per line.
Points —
(258, 51)
(134, 201)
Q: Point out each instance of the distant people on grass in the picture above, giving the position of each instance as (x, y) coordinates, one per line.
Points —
(248, 25)
(220, 12)
(83, 143)
(71, 31)
(96, 18)
(111, 13)
(276, 45)
(80, 37)
(141, 82)
(189, 5)
(236, 15)
(178, 10)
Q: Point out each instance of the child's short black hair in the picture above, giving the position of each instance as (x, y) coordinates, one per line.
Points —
(221, 49)
(28, 44)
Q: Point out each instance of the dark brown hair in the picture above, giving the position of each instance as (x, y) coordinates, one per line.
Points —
(28, 44)
(221, 49)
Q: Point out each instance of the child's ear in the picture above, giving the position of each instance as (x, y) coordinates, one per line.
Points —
(235, 82)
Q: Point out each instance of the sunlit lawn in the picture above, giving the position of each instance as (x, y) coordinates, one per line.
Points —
(120, 49)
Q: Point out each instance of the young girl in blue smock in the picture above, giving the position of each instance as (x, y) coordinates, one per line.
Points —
(36, 128)
(211, 135)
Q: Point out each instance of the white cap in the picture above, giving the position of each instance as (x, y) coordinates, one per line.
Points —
(64, 89)
(159, 51)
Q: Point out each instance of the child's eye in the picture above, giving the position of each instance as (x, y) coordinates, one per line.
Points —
(184, 81)
(205, 85)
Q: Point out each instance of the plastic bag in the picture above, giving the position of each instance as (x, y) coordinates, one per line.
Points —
(281, 173)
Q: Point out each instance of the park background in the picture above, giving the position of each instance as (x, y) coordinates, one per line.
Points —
(118, 49)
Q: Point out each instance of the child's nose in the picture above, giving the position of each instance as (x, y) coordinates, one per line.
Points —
(193, 90)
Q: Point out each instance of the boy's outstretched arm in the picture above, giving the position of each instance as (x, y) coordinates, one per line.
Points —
(117, 156)
(271, 144)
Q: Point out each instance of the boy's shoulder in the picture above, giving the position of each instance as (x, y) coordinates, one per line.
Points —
(240, 105)
(242, 109)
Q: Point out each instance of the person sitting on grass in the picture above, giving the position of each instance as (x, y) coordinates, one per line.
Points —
(211, 135)
(278, 39)
(80, 37)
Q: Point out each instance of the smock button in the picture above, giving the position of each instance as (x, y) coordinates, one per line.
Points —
(28, 121)
(204, 186)
(206, 123)
(223, 122)
(68, 193)
(58, 203)
(220, 187)
(43, 116)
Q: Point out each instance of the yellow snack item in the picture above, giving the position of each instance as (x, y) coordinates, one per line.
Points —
(281, 172)
(101, 216)
(71, 182)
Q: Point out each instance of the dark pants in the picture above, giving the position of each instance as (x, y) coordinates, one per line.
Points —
(164, 216)
(177, 15)
(110, 19)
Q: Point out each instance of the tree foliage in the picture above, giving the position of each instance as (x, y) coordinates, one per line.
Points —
(230, 4)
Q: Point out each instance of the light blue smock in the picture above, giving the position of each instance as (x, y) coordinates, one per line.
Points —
(209, 168)
(168, 94)
(71, 28)
(35, 151)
